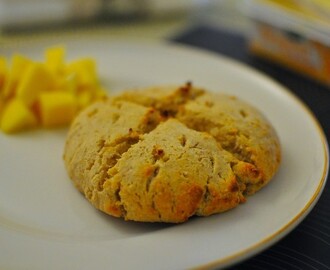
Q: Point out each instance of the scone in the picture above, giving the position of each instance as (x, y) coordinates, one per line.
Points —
(165, 154)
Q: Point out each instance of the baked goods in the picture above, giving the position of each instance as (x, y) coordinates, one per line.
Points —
(164, 154)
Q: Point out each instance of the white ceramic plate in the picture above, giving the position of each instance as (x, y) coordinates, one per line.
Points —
(45, 223)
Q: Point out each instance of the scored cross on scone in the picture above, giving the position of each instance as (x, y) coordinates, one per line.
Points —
(164, 154)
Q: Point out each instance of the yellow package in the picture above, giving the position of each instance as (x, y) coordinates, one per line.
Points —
(292, 34)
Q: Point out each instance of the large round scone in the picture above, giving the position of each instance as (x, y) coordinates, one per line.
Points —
(166, 154)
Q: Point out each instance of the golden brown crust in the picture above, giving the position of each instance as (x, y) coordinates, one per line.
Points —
(166, 154)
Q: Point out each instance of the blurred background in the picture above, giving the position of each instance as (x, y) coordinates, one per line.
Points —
(17, 16)
(292, 33)
(22, 14)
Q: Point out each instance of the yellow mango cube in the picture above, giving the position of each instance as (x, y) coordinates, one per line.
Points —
(36, 79)
(2, 105)
(68, 83)
(100, 93)
(55, 57)
(84, 98)
(85, 71)
(57, 108)
(3, 72)
(19, 65)
(16, 116)
(87, 95)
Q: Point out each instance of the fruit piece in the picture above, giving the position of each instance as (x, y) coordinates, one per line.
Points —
(2, 105)
(57, 108)
(68, 83)
(87, 95)
(16, 117)
(18, 68)
(36, 79)
(55, 59)
(85, 71)
(100, 93)
(84, 98)
(3, 72)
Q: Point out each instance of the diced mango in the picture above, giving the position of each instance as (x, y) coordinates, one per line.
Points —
(55, 59)
(3, 72)
(48, 93)
(36, 79)
(84, 98)
(19, 64)
(57, 108)
(16, 117)
(2, 105)
(85, 70)
(68, 83)
(100, 93)
(86, 95)
(18, 67)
